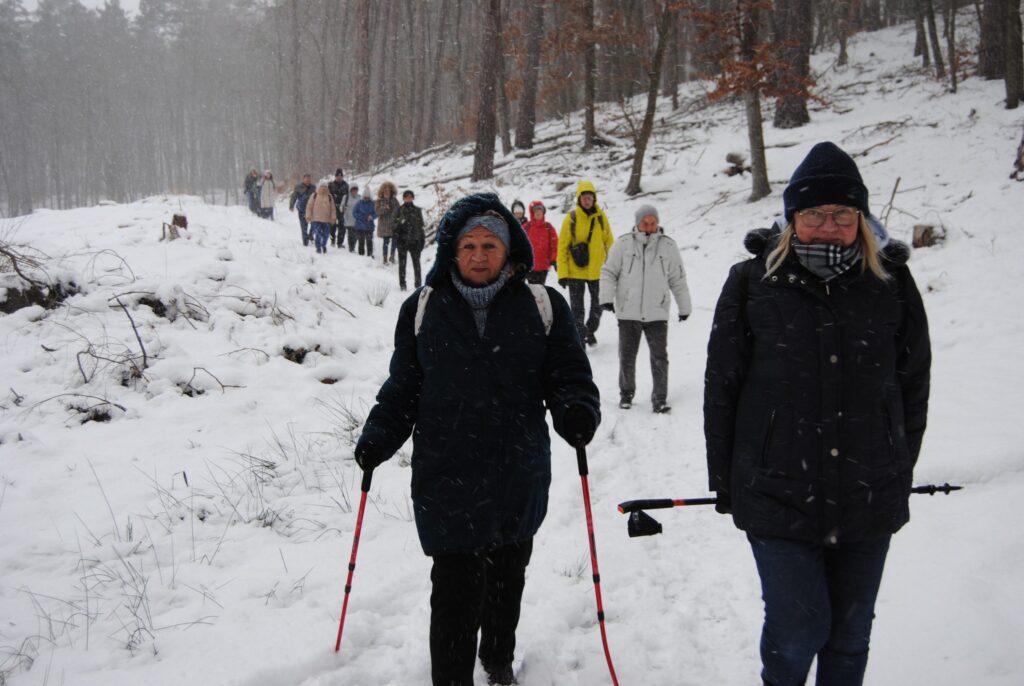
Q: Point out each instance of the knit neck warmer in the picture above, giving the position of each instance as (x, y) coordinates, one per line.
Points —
(825, 260)
(478, 297)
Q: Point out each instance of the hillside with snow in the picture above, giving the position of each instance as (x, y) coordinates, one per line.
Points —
(177, 489)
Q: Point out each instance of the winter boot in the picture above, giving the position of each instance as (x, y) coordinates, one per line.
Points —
(626, 402)
(500, 674)
(662, 408)
(591, 339)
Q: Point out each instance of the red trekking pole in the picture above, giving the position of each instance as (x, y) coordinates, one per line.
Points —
(581, 461)
(367, 477)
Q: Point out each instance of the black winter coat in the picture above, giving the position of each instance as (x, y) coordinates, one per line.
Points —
(816, 397)
(300, 196)
(475, 406)
(408, 227)
(338, 191)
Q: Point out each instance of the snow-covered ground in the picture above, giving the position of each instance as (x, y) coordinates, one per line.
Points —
(202, 534)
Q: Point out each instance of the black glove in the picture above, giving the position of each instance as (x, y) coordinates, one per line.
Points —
(608, 306)
(564, 283)
(369, 456)
(554, 265)
(683, 317)
(724, 504)
(579, 424)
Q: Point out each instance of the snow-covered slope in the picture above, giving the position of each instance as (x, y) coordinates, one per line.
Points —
(202, 534)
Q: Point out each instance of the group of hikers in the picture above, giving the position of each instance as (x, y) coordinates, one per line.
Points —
(815, 405)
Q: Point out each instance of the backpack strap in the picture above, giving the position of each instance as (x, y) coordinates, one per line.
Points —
(421, 307)
(540, 296)
(543, 300)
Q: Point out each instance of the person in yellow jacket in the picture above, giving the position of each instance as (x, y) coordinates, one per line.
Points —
(583, 246)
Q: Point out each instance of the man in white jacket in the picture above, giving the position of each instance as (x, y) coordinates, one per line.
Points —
(643, 272)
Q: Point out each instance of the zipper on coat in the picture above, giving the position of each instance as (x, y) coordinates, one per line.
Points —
(768, 438)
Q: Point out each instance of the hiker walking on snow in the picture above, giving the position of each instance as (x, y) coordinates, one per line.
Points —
(519, 211)
(583, 244)
(251, 188)
(409, 236)
(348, 218)
(544, 240)
(300, 196)
(642, 274)
(268, 195)
(815, 404)
(364, 214)
(339, 193)
(471, 387)
(387, 204)
(321, 215)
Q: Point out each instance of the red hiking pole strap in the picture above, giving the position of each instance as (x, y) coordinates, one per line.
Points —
(581, 460)
(365, 488)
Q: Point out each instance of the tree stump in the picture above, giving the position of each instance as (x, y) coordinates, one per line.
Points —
(927, 235)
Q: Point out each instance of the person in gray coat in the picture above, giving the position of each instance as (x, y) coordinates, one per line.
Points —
(642, 274)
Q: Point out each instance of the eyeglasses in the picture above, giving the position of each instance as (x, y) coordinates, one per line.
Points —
(844, 216)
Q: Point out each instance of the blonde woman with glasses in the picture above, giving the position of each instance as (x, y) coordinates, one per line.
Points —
(815, 405)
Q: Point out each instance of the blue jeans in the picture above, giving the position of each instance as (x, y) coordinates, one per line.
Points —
(304, 225)
(820, 602)
(320, 232)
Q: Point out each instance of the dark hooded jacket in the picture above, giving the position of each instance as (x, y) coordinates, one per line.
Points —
(475, 405)
(816, 397)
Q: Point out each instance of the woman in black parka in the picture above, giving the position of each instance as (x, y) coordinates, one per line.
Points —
(815, 403)
(470, 382)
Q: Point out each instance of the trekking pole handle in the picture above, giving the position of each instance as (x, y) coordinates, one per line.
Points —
(581, 459)
(662, 503)
(367, 478)
(932, 489)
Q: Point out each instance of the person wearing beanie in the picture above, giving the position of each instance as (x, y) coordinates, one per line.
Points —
(473, 375)
(365, 213)
(583, 244)
(348, 218)
(320, 214)
(641, 276)
(815, 406)
(339, 192)
(519, 211)
(267, 195)
(409, 236)
(544, 240)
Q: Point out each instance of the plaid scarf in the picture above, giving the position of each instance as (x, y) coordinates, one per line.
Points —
(827, 261)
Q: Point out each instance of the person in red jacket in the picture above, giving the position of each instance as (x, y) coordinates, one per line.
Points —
(544, 240)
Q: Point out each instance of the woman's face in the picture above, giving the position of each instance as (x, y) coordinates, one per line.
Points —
(835, 224)
(518, 213)
(480, 257)
(538, 213)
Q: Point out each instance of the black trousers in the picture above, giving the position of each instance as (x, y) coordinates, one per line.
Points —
(364, 241)
(414, 255)
(475, 592)
(537, 277)
(576, 292)
(629, 344)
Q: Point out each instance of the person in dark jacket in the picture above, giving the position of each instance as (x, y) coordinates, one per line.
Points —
(297, 202)
(471, 387)
(519, 211)
(815, 404)
(251, 187)
(339, 192)
(408, 235)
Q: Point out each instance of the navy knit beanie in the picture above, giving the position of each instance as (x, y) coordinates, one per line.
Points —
(827, 176)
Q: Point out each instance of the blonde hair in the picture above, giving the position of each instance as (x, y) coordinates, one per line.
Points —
(870, 249)
(387, 185)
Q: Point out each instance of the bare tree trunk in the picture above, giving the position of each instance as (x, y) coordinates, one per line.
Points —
(951, 45)
(654, 78)
(843, 30)
(749, 23)
(503, 122)
(361, 88)
(992, 43)
(670, 77)
(933, 36)
(794, 23)
(527, 121)
(1014, 59)
(297, 125)
(921, 42)
(430, 131)
(483, 154)
(589, 76)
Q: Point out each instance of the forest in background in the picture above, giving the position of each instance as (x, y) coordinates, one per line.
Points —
(185, 96)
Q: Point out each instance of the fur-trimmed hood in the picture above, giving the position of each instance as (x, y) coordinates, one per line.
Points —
(520, 251)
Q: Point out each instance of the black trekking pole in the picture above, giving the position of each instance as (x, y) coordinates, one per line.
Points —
(367, 478)
(642, 524)
(581, 461)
